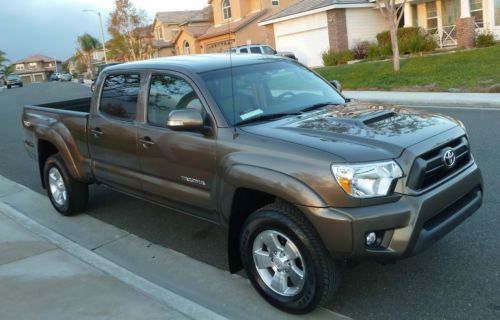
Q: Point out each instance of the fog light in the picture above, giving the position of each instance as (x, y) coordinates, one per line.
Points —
(371, 237)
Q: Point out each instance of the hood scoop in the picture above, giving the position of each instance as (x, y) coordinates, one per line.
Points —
(375, 117)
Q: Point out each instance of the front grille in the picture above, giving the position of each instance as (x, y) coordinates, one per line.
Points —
(429, 168)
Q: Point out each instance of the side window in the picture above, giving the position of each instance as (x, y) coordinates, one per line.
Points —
(255, 50)
(268, 50)
(168, 93)
(119, 96)
(243, 50)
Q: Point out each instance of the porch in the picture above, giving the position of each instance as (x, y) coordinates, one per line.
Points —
(439, 17)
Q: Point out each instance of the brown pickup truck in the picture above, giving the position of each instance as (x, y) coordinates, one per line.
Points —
(303, 179)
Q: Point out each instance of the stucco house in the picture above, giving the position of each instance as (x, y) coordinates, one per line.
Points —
(235, 23)
(311, 27)
(167, 25)
(36, 68)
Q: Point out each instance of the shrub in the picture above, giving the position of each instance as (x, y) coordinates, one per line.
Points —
(331, 58)
(373, 51)
(485, 39)
(410, 40)
(360, 50)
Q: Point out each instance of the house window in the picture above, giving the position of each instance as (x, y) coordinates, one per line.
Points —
(19, 66)
(226, 9)
(432, 17)
(476, 11)
(187, 50)
(497, 12)
(32, 65)
(159, 33)
(275, 2)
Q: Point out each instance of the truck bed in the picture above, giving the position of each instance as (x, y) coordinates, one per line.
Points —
(79, 105)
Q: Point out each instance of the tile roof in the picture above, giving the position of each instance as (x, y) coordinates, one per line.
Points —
(178, 17)
(161, 44)
(234, 26)
(308, 5)
(36, 58)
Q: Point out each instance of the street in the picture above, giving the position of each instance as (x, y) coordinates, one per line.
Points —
(457, 278)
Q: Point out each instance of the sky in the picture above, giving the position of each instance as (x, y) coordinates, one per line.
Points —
(50, 27)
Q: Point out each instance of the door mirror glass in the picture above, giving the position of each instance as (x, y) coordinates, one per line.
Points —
(185, 120)
(337, 85)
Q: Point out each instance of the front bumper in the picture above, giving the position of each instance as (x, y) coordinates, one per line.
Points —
(408, 226)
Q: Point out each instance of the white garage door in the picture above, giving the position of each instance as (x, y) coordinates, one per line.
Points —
(307, 37)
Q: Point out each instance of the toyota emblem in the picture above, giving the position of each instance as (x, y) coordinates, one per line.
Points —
(449, 158)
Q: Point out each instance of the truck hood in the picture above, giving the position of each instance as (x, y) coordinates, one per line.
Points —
(357, 132)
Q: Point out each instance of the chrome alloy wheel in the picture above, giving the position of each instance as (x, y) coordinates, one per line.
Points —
(57, 186)
(279, 263)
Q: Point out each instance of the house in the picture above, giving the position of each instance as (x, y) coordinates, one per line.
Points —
(311, 27)
(36, 68)
(167, 25)
(454, 22)
(235, 23)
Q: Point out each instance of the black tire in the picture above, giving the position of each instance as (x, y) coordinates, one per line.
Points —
(21, 85)
(321, 275)
(77, 193)
(8, 86)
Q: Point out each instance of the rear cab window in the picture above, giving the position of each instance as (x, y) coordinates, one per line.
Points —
(119, 96)
(255, 50)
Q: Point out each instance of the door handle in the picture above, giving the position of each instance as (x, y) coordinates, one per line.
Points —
(96, 132)
(146, 142)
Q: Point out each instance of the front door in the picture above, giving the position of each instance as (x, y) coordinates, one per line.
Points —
(178, 167)
(113, 133)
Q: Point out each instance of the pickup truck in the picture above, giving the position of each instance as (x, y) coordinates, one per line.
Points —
(304, 179)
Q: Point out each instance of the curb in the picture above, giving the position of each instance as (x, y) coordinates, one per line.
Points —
(164, 296)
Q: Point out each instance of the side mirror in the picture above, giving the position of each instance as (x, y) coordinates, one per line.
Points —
(337, 85)
(185, 120)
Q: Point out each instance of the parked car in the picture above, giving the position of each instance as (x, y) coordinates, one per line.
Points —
(13, 80)
(303, 178)
(262, 49)
(54, 77)
(65, 77)
(99, 70)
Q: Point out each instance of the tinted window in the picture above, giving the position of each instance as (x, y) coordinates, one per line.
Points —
(255, 50)
(244, 50)
(119, 96)
(168, 93)
(268, 50)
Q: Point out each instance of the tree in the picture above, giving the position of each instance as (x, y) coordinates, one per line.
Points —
(392, 10)
(124, 25)
(87, 45)
(3, 59)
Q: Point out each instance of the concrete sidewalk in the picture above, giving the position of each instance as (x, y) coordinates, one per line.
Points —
(55, 284)
(441, 99)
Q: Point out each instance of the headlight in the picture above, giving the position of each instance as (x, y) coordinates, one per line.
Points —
(367, 180)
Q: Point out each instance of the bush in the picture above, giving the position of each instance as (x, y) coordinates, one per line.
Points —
(485, 39)
(360, 50)
(410, 40)
(374, 51)
(331, 58)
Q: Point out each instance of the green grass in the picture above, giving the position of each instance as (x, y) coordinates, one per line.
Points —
(475, 70)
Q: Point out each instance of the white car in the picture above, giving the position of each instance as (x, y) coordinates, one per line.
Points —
(261, 49)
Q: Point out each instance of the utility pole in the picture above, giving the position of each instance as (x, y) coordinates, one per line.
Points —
(102, 34)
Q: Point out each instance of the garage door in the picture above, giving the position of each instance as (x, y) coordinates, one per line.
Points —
(39, 77)
(26, 79)
(307, 37)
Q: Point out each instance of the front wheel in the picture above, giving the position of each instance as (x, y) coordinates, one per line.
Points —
(68, 196)
(285, 259)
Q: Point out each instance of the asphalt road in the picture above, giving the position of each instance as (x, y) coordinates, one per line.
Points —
(458, 278)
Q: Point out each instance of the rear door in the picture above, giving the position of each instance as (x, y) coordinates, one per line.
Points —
(178, 167)
(113, 133)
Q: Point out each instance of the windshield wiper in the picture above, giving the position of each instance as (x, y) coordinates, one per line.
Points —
(265, 117)
(318, 106)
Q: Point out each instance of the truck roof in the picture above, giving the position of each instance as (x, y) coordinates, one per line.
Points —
(197, 63)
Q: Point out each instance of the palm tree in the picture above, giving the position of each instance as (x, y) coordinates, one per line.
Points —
(87, 45)
(2, 58)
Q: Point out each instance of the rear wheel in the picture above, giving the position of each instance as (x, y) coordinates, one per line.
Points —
(68, 196)
(285, 259)
(8, 86)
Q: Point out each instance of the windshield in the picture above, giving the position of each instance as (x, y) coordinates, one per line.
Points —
(13, 78)
(266, 89)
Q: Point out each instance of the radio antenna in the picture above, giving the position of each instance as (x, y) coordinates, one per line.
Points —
(235, 133)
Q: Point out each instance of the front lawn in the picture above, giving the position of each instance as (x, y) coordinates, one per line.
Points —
(475, 70)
